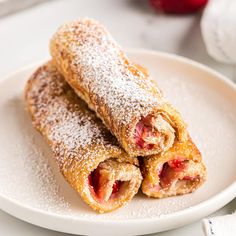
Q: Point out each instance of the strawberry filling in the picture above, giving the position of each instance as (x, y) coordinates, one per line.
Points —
(177, 164)
(94, 181)
(173, 171)
(98, 185)
(191, 178)
(116, 186)
(146, 137)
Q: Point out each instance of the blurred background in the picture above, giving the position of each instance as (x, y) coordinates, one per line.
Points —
(27, 25)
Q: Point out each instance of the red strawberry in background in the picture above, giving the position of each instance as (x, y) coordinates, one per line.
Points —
(178, 6)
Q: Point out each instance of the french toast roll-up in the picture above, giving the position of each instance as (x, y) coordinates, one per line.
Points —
(88, 156)
(180, 170)
(130, 105)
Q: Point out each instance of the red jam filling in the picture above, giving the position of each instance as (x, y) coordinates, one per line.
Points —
(144, 134)
(191, 178)
(170, 172)
(116, 186)
(94, 182)
(177, 164)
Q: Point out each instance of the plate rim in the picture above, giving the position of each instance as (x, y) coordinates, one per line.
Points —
(197, 211)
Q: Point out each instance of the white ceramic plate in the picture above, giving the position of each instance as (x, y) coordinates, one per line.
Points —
(32, 189)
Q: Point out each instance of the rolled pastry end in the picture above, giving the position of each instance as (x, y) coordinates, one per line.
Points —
(111, 184)
(153, 133)
(178, 172)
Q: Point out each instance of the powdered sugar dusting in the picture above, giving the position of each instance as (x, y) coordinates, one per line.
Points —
(106, 77)
(104, 71)
(29, 164)
(209, 112)
(64, 119)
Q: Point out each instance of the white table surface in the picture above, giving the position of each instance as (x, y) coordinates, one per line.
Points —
(24, 39)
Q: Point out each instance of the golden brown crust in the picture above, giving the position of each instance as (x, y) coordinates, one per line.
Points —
(78, 139)
(116, 89)
(152, 165)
